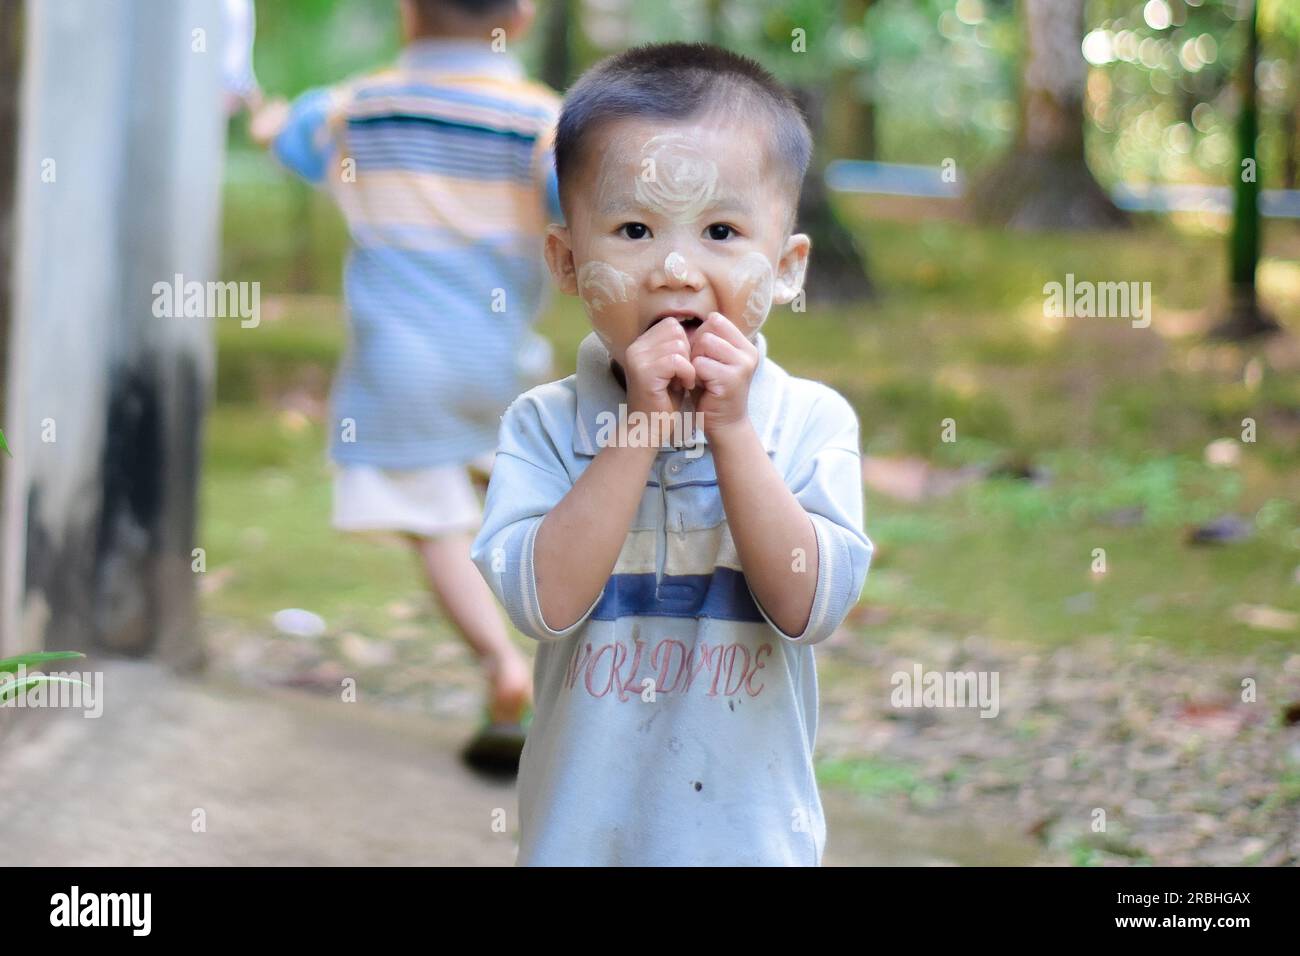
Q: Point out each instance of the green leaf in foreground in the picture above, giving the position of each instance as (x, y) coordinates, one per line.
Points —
(12, 687)
(11, 664)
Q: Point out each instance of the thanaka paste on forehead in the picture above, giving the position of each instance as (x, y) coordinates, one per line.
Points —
(627, 162)
(676, 179)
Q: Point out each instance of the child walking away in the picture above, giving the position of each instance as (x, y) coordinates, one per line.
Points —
(676, 584)
(442, 169)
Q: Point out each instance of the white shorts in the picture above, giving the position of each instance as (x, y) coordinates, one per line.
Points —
(423, 501)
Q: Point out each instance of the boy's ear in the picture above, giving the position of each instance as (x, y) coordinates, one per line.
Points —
(559, 258)
(790, 269)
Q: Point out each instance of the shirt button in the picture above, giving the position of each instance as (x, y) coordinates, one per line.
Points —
(675, 467)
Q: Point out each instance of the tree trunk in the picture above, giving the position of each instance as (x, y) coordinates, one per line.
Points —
(837, 267)
(1245, 317)
(850, 116)
(1291, 136)
(1044, 182)
(715, 21)
(557, 60)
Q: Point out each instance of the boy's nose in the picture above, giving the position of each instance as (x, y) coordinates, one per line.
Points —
(676, 272)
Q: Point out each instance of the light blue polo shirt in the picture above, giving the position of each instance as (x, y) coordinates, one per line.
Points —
(442, 168)
(674, 722)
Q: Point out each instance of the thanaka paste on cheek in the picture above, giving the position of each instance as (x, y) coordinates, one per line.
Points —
(751, 278)
(600, 285)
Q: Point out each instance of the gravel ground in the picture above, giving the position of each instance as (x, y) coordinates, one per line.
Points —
(1100, 753)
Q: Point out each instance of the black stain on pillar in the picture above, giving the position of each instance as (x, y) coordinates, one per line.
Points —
(59, 573)
(121, 580)
(96, 580)
(128, 540)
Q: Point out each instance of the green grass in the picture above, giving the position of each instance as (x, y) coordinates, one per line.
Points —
(874, 778)
(266, 510)
(1117, 415)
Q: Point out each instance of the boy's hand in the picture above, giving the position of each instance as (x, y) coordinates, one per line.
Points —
(267, 119)
(724, 362)
(659, 370)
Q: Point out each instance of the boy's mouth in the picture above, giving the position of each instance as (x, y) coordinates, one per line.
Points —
(690, 320)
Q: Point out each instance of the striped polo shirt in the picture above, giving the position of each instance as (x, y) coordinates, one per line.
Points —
(443, 170)
(674, 722)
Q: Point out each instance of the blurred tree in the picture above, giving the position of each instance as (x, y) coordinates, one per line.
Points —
(1160, 91)
(306, 43)
(851, 106)
(1044, 181)
(1246, 317)
(1291, 137)
(556, 57)
(837, 271)
(796, 40)
(940, 77)
(715, 11)
(1280, 19)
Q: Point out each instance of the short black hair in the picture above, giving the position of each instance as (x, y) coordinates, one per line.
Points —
(429, 11)
(678, 81)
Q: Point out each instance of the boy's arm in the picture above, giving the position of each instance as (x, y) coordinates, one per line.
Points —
(548, 544)
(806, 593)
(297, 134)
(800, 543)
(774, 536)
(529, 479)
(548, 547)
(579, 541)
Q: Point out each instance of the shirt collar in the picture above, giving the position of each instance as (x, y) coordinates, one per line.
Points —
(598, 391)
(459, 56)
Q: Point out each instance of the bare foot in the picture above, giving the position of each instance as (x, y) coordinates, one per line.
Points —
(510, 687)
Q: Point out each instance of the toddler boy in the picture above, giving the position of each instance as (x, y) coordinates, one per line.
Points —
(441, 167)
(676, 590)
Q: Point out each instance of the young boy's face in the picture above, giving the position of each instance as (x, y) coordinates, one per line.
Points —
(672, 221)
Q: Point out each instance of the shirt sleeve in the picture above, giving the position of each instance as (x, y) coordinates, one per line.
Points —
(304, 145)
(528, 480)
(829, 486)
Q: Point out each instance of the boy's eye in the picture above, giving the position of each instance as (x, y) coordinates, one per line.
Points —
(634, 230)
(720, 231)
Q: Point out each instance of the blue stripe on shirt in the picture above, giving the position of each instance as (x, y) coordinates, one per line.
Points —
(448, 151)
(407, 120)
(723, 595)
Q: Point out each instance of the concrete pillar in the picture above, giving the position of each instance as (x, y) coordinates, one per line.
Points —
(118, 188)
